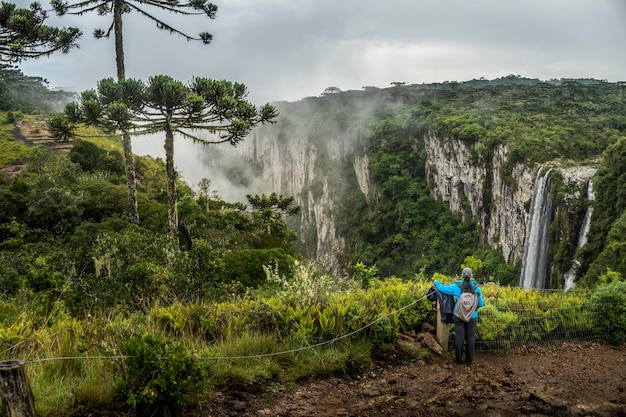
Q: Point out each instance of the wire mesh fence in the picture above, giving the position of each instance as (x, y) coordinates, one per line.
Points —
(546, 318)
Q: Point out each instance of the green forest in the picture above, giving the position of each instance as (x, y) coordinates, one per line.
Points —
(124, 291)
(403, 230)
(79, 278)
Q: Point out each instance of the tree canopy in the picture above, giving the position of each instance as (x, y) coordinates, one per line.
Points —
(19, 92)
(23, 34)
(116, 8)
(105, 7)
(165, 105)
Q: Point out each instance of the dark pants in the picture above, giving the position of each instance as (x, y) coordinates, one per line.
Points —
(464, 333)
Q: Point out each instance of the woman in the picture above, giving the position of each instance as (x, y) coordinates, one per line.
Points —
(464, 332)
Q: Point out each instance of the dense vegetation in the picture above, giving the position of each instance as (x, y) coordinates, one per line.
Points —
(77, 279)
(606, 249)
(402, 230)
(64, 233)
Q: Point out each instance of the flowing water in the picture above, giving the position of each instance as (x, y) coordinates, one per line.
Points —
(570, 276)
(535, 261)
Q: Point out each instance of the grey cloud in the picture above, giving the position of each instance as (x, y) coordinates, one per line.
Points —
(290, 49)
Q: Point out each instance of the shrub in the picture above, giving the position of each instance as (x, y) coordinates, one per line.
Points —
(13, 116)
(160, 376)
(246, 265)
(130, 268)
(608, 305)
(92, 158)
(100, 200)
(10, 280)
(305, 284)
(200, 265)
(54, 210)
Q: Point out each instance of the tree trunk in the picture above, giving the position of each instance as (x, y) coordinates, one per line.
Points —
(17, 398)
(133, 212)
(130, 179)
(171, 182)
(119, 40)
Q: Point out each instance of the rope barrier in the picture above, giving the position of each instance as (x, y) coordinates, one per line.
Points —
(300, 349)
(67, 358)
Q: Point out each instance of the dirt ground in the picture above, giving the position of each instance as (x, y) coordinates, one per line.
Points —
(570, 380)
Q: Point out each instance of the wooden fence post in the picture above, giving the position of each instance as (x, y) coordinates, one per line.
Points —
(443, 330)
(17, 397)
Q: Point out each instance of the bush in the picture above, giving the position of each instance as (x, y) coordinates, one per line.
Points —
(608, 305)
(160, 376)
(55, 210)
(246, 265)
(101, 200)
(129, 267)
(10, 280)
(92, 158)
(13, 116)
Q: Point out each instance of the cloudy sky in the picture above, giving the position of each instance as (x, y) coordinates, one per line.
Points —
(290, 49)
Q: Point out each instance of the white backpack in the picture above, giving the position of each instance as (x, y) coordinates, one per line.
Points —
(466, 304)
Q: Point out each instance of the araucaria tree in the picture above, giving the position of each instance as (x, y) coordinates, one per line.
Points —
(117, 8)
(269, 209)
(206, 111)
(24, 36)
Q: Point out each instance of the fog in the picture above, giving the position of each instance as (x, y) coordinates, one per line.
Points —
(290, 49)
(194, 162)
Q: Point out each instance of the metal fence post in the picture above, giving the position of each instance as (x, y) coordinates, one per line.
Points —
(17, 398)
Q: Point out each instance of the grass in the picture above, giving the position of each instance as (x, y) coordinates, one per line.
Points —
(57, 394)
(246, 359)
(106, 142)
(11, 151)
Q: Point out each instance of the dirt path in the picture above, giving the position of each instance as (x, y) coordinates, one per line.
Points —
(36, 133)
(31, 134)
(572, 380)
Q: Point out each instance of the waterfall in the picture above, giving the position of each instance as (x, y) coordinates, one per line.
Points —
(535, 260)
(570, 275)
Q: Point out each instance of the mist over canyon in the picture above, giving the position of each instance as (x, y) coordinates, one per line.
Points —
(369, 168)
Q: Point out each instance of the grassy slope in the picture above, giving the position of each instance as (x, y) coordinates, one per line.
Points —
(11, 151)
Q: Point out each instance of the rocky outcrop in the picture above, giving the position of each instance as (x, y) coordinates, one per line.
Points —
(292, 168)
(478, 188)
(482, 186)
(480, 191)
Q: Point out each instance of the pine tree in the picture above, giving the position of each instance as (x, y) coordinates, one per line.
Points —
(117, 8)
(24, 36)
(206, 111)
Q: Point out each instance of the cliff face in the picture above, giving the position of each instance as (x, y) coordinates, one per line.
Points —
(291, 166)
(488, 189)
(480, 191)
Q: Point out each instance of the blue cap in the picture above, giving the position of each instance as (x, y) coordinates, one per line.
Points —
(467, 273)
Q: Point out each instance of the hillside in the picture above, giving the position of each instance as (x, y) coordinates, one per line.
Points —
(416, 177)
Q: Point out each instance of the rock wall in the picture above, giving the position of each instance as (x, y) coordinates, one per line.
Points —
(456, 171)
(291, 166)
(479, 190)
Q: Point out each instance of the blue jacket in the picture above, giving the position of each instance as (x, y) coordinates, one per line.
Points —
(455, 290)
